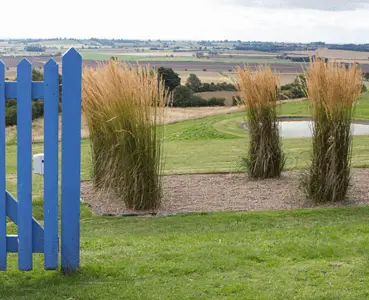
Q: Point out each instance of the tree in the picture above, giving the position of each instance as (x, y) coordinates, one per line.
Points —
(194, 82)
(171, 79)
(366, 76)
(182, 96)
(37, 75)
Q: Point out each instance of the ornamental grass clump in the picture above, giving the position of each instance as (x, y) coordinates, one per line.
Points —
(123, 106)
(333, 90)
(259, 94)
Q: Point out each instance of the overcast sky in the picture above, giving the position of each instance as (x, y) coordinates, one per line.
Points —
(339, 21)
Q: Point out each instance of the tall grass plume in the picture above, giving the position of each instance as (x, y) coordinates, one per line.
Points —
(123, 106)
(259, 93)
(333, 90)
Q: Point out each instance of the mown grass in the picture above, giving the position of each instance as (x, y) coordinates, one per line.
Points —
(305, 254)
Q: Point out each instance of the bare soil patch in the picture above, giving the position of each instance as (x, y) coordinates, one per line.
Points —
(334, 54)
(227, 192)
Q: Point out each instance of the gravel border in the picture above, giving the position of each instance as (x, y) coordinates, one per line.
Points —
(226, 192)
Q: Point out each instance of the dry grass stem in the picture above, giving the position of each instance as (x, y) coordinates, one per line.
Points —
(333, 90)
(123, 106)
(259, 93)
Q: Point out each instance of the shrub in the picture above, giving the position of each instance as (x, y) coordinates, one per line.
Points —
(197, 101)
(37, 109)
(124, 106)
(193, 82)
(265, 158)
(11, 116)
(333, 91)
(294, 90)
(182, 96)
(216, 101)
(10, 102)
(364, 89)
(236, 100)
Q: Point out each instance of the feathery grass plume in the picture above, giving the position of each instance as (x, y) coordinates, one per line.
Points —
(259, 93)
(333, 91)
(124, 106)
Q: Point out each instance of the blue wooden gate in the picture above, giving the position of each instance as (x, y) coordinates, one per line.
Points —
(32, 237)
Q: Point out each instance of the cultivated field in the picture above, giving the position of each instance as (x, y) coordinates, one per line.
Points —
(339, 55)
(228, 96)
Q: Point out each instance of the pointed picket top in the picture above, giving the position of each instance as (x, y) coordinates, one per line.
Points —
(24, 63)
(50, 63)
(2, 71)
(71, 53)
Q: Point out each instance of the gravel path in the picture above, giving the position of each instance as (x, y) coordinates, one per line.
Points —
(228, 192)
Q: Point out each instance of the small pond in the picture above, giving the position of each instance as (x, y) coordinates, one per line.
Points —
(303, 129)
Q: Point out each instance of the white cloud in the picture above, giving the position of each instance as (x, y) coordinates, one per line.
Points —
(192, 19)
(330, 5)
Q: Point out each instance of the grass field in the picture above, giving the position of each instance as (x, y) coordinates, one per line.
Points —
(306, 254)
(105, 56)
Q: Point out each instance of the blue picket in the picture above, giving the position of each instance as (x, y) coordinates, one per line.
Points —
(2, 171)
(71, 160)
(24, 164)
(51, 123)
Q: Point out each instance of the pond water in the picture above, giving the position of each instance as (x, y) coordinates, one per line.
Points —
(296, 129)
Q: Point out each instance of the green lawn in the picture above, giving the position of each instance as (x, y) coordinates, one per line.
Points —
(305, 254)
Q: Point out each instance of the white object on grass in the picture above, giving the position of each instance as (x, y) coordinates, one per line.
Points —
(38, 164)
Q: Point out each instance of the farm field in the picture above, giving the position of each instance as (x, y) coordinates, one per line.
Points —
(228, 96)
(294, 254)
(208, 76)
(148, 56)
(343, 55)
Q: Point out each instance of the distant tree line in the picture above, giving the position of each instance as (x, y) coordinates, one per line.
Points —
(274, 47)
(351, 47)
(305, 59)
(34, 48)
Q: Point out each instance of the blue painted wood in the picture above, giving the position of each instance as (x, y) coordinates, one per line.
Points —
(11, 90)
(71, 161)
(12, 213)
(3, 242)
(24, 164)
(51, 123)
(12, 244)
